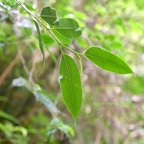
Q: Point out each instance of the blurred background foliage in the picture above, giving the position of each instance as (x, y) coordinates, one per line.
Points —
(32, 110)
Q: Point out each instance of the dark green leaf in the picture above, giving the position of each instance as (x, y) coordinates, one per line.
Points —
(8, 116)
(49, 15)
(107, 60)
(70, 85)
(61, 38)
(68, 28)
(40, 39)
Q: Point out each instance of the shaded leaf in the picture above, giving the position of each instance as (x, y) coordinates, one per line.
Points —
(8, 117)
(67, 27)
(107, 60)
(49, 15)
(40, 39)
(41, 97)
(47, 40)
(70, 85)
(36, 90)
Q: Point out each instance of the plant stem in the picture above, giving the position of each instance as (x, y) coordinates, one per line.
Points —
(49, 30)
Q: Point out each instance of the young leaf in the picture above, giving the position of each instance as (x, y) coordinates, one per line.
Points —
(40, 39)
(107, 60)
(49, 15)
(61, 38)
(67, 27)
(70, 85)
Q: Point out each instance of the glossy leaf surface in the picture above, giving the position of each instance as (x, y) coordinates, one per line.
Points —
(107, 60)
(70, 85)
(49, 15)
(68, 28)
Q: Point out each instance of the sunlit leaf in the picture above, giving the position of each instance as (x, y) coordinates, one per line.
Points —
(68, 28)
(49, 15)
(61, 38)
(70, 85)
(107, 60)
(47, 40)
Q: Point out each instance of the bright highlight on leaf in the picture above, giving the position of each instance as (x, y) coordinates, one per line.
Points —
(71, 85)
(107, 60)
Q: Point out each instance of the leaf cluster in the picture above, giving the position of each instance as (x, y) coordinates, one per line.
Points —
(63, 31)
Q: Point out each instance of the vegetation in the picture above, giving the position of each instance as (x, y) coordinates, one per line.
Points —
(52, 56)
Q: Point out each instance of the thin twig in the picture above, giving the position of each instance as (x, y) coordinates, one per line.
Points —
(49, 30)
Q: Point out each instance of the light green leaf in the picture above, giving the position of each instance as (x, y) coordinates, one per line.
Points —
(49, 15)
(107, 60)
(58, 124)
(61, 38)
(67, 27)
(70, 85)
(20, 129)
(47, 40)
(40, 39)
(52, 56)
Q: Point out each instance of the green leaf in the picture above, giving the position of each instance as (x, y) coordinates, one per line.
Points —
(40, 96)
(8, 117)
(58, 124)
(47, 40)
(52, 56)
(107, 60)
(70, 85)
(67, 27)
(61, 38)
(49, 15)
(40, 39)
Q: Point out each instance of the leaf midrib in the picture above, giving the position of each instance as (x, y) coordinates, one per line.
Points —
(61, 34)
(103, 60)
(67, 28)
(48, 16)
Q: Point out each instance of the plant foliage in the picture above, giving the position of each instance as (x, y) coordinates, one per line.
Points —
(64, 30)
